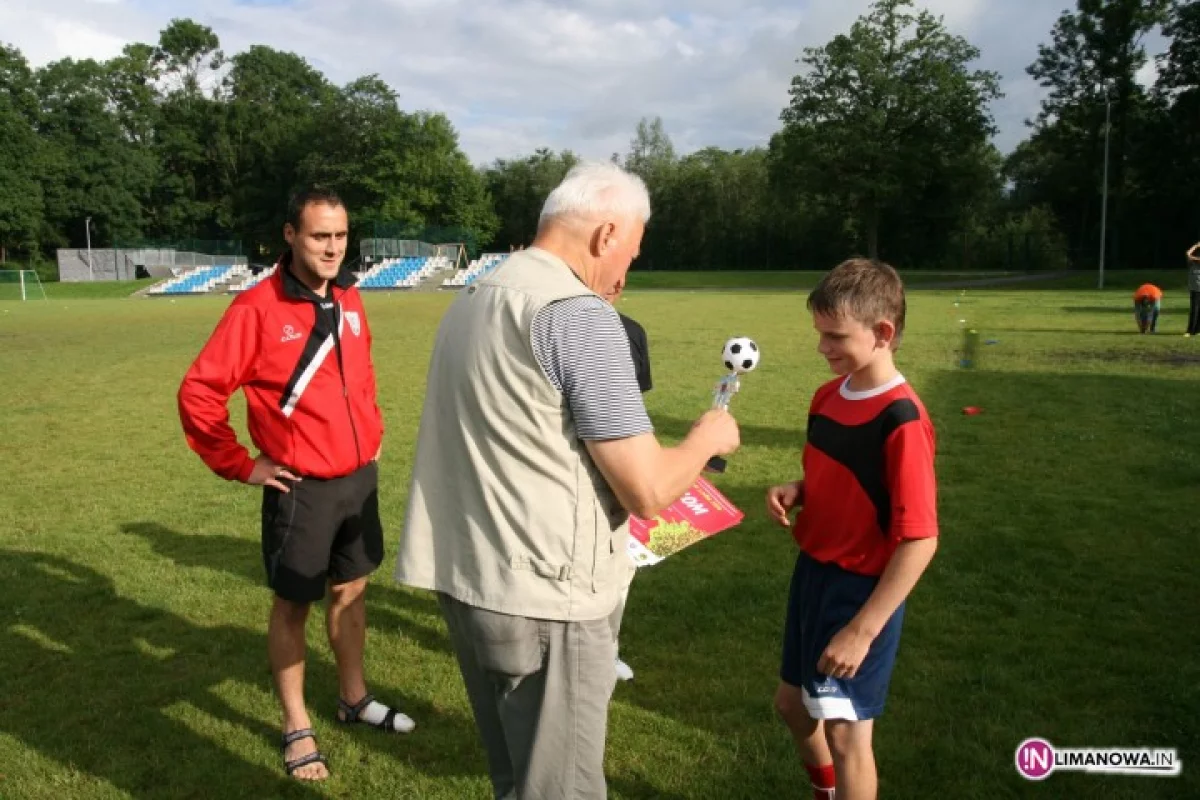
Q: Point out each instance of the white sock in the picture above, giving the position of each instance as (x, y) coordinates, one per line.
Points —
(376, 712)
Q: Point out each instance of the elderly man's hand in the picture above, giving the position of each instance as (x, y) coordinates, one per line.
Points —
(719, 431)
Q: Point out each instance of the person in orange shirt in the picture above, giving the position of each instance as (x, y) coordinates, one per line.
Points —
(1147, 302)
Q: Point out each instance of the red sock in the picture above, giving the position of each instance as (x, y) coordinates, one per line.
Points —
(823, 781)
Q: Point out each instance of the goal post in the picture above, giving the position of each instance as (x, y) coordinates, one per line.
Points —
(21, 284)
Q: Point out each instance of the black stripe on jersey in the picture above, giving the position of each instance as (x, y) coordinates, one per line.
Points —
(859, 448)
(321, 330)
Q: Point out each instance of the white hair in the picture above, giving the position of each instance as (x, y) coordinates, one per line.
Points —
(598, 187)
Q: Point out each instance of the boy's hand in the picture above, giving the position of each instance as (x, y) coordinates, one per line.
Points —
(782, 499)
(845, 653)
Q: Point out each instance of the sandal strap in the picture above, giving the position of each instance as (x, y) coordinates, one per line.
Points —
(388, 720)
(352, 712)
(304, 761)
(295, 736)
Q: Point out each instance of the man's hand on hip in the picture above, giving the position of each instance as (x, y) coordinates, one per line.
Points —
(267, 473)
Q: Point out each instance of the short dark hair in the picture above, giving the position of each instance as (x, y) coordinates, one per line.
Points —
(308, 196)
(866, 290)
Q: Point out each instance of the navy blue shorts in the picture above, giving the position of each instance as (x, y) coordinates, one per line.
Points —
(822, 600)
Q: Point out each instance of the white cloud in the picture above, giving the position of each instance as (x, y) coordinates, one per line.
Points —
(514, 75)
(82, 41)
(55, 29)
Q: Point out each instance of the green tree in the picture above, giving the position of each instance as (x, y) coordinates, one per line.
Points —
(887, 112)
(21, 205)
(1168, 155)
(1094, 53)
(187, 56)
(187, 201)
(89, 169)
(715, 211)
(401, 173)
(518, 188)
(268, 124)
(130, 80)
(651, 153)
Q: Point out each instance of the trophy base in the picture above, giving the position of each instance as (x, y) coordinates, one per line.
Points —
(715, 464)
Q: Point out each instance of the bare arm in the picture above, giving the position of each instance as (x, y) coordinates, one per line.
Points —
(849, 646)
(1191, 253)
(895, 584)
(647, 477)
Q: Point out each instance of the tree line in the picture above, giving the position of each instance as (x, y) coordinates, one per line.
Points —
(884, 148)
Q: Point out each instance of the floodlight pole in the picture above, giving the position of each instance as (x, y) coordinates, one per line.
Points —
(87, 227)
(1104, 202)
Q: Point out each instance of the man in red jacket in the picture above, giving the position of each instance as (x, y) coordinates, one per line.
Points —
(298, 347)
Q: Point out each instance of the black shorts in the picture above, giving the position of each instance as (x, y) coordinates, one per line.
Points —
(321, 531)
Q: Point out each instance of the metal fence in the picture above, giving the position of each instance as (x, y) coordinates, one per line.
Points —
(373, 251)
(216, 247)
(376, 249)
(121, 264)
(406, 232)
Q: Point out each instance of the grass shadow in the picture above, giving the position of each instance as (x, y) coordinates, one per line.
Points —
(103, 683)
(388, 606)
(89, 687)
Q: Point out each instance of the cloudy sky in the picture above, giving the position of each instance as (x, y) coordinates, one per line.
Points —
(514, 75)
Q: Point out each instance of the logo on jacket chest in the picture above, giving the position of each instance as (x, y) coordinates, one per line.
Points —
(290, 334)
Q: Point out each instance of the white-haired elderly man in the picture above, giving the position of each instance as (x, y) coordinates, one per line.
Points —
(533, 450)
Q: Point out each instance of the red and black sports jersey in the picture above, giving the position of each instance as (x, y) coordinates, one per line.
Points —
(868, 475)
(304, 365)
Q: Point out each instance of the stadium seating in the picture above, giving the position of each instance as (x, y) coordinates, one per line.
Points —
(402, 273)
(200, 280)
(393, 273)
(250, 280)
(474, 271)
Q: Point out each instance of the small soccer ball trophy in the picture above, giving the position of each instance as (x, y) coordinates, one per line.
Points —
(740, 355)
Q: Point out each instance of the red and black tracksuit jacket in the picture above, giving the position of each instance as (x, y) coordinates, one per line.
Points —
(304, 363)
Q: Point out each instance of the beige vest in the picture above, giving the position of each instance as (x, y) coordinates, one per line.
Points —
(506, 510)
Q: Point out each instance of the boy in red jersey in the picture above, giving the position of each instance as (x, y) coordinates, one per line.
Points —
(867, 530)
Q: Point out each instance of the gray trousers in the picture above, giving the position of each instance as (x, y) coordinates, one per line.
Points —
(614, 619)
(539, 690)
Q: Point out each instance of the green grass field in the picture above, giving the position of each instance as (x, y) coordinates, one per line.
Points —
(1063, 602)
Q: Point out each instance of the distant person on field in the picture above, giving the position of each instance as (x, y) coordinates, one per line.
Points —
(299, 348)
(1147, 303)
(867, 529)
(534, 448)
(639, 348)
(1193, 327)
